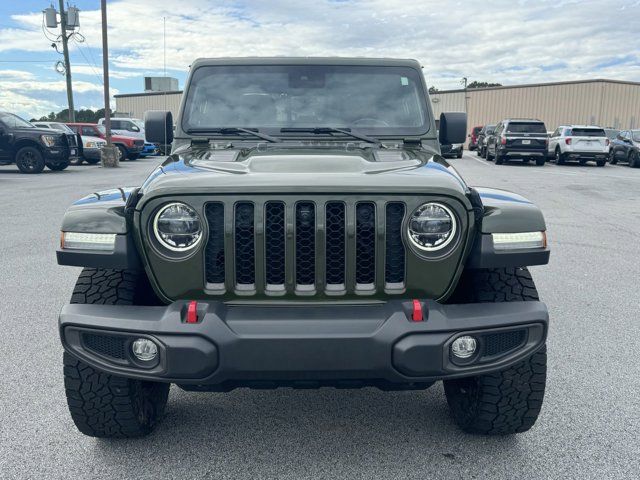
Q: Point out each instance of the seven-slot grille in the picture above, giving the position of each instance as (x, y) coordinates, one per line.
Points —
(305, 247)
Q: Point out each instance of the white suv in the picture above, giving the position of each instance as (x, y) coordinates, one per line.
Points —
(579, 142)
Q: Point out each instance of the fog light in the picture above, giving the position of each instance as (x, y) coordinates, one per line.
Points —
(463, 347)
(144, 350)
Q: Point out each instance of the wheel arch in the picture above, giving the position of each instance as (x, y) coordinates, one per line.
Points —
(25, 142)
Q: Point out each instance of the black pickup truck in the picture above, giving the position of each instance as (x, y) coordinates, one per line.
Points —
(32, 148)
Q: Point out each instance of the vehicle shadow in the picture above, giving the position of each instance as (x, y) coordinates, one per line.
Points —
(328, 430)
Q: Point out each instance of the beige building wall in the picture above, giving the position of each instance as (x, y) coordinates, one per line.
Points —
(134, 105)
(601, 102)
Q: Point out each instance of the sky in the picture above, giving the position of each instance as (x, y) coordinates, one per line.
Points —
(508, 42)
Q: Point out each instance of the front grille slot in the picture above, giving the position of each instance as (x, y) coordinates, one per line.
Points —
(365, 245)
(336, 243)
(304, 247)
(245, 250)
(274, 239)
(394, 248)
(214, 251)
(305, 244)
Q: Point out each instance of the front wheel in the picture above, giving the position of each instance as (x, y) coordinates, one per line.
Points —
(29, 160)
(634, 160)
(507, 401)
(612, 157)
(57, 167)
(101, 404)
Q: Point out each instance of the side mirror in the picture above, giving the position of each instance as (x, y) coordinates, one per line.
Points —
(158, 126)
(134, 128)
(453, 128)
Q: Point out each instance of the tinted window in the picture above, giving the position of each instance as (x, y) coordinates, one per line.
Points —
(88, 131)
(379, 100)
(14, 121)
(636, 135)
(611, 133)
(588, 132)
(526, 127)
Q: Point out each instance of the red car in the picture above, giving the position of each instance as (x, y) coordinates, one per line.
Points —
(129, 147)
(473, 138)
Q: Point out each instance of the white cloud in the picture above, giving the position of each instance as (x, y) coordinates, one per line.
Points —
(501, 41)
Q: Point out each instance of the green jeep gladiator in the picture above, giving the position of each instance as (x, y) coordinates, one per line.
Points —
(304, 232)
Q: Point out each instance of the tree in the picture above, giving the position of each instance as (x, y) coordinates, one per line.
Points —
(84, 116)
(476, 84)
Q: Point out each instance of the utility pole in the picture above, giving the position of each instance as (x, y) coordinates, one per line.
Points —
(108, 153)
(67, 63)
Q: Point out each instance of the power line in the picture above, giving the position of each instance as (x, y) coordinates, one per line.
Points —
(99, 77)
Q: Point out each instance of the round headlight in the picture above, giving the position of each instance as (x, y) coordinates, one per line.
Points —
(432, 226)
(177, 227)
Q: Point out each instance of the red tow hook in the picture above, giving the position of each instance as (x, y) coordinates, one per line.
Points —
(192, 312)
(417, 316)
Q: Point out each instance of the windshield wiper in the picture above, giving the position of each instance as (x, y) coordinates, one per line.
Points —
(232, 130)
(330, 130)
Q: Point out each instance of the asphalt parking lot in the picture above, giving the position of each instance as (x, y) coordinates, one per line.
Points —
(589, 426)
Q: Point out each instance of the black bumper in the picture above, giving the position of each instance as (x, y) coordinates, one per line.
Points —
(56, 155)
(521, 153)
(250, 345)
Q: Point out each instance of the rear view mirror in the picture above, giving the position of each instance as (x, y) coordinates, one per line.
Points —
(158, 126)
(453, 128)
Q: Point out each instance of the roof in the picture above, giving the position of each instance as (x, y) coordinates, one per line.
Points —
(356, 61)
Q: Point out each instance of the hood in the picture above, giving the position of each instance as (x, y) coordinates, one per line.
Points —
(310, 170)
(37, 131)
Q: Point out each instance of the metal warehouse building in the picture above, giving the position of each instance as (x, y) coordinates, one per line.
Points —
(608, 103)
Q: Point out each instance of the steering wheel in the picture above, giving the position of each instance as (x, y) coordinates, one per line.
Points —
(370, 122)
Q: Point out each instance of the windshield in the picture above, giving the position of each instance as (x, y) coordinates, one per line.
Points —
(62, 127)
(636, 135)
(101, 129)
(611, 133)
(14, 121)
(526, 127)
(588, 132)
(371, 99)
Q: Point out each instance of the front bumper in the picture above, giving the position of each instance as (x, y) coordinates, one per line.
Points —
(91, 153)
(253, 345)
(59, 154)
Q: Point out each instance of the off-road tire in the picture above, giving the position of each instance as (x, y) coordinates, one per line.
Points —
(104, 405)
(507, 401)
(601, 163)
(29, 160)
(57, 167)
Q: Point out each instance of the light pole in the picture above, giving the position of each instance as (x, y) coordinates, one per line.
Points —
(109, 152)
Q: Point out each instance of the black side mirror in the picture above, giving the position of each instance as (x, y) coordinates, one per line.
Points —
(453, 128)
(158, 126)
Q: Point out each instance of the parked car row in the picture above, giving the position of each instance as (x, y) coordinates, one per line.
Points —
(527, 140)
(32, 146)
